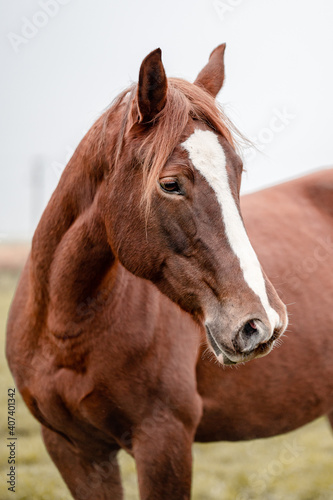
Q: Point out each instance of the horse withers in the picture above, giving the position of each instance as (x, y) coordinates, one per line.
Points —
(140, 257)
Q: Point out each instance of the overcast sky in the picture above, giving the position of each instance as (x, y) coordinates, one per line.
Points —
(63, 61)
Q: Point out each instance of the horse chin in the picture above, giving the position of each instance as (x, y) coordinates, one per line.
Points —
(224, 360)
(261, 351)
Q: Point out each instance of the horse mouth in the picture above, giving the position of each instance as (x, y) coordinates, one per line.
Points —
(226, 357)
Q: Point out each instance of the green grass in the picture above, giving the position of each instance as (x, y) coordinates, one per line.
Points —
(296, 466)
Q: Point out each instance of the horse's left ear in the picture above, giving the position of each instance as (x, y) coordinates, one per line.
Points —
(152, 87)
(211, 77)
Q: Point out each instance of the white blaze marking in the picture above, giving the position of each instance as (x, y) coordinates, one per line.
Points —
(207, 156)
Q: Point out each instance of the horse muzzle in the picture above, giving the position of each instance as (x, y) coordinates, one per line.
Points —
(254, 338)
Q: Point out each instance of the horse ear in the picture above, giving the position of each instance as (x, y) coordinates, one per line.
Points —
(152, 87)
(211, 77)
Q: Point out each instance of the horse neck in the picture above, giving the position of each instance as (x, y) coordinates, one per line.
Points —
(70, 253)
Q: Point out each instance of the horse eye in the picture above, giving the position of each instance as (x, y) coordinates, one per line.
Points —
(170, 186)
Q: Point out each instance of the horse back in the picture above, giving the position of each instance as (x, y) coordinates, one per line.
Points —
(319, 187)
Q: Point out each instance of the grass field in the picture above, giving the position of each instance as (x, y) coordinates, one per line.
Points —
(296, 466)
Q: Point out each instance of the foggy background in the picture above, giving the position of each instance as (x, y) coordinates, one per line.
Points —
(63, 61)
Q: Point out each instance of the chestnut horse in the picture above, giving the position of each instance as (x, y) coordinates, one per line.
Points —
(141, 261)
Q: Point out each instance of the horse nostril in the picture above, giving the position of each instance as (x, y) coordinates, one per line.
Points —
(250, 328)
(249, 336)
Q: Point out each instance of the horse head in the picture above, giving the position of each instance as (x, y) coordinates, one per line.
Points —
(172, 213)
